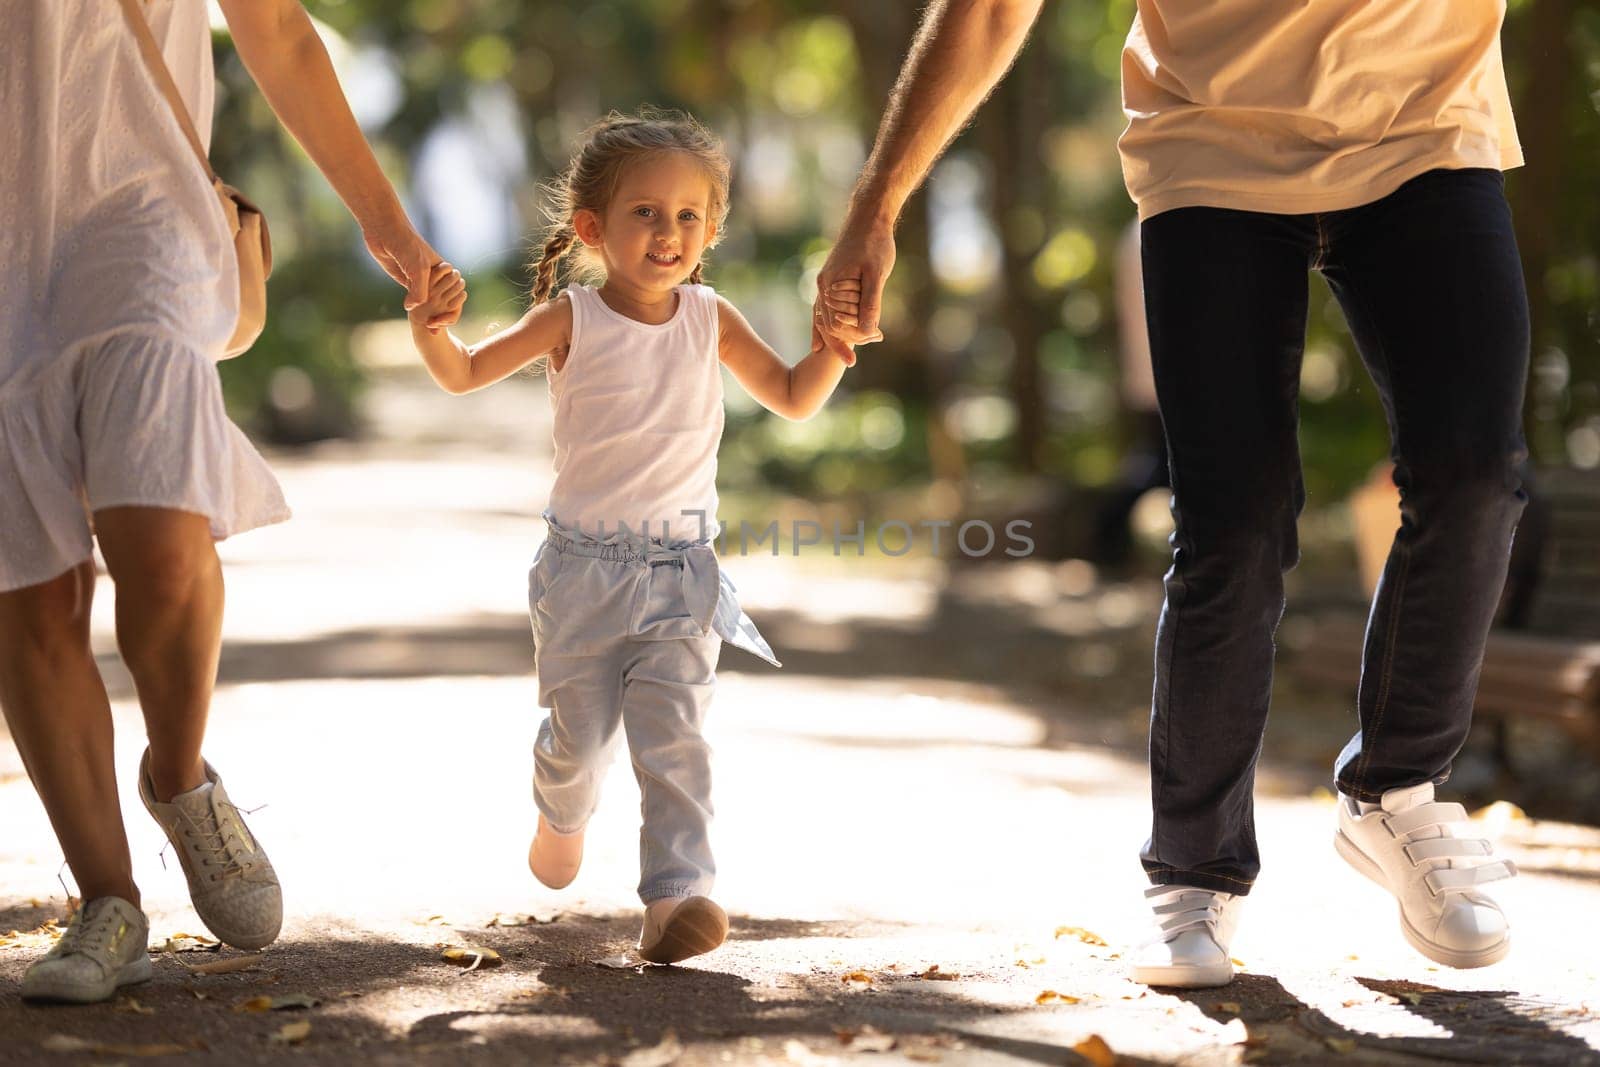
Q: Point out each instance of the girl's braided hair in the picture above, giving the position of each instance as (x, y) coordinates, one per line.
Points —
(607, 149)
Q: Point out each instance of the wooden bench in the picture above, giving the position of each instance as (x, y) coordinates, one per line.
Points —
(1543, 657)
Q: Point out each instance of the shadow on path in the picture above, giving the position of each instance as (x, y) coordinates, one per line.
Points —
(1482, 1026)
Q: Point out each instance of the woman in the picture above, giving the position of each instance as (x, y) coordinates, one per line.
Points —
(122, 291)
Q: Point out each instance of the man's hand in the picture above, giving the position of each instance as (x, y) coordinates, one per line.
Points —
(850, 284)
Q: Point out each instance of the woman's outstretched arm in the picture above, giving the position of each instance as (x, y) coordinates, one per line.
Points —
(284, 55)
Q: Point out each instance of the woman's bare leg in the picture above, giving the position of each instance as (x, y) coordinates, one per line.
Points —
(169, 628)
(55, 704)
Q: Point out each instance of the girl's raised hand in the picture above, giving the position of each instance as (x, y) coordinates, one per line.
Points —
(447, 295)
(842, 300)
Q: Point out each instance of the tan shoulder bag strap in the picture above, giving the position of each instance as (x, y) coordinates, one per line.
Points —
(163, 79)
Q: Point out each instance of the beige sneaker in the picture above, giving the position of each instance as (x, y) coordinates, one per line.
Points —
(675, 929)
(103, 949)
(231, 883)
(554, 857)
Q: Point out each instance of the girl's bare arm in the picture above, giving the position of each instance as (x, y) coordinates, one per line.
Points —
(796, 392)
(458, 368)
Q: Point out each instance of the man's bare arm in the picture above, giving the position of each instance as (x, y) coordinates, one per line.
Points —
(961, 51)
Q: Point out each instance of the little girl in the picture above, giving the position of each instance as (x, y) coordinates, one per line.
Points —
(629, 606)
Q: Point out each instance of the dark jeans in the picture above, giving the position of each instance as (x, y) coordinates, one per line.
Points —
(1432, 288)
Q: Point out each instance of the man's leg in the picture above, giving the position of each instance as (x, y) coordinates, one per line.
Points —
(1432, 287)
(56, 706)
(1226, 296)
(1431, 284)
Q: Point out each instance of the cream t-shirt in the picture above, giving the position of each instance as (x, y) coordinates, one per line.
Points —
(1296, 106)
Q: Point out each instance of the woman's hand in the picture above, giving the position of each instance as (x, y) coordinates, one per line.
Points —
(446, 296)
(404, 256)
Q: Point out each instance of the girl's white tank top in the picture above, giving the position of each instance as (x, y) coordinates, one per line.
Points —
(638, 419)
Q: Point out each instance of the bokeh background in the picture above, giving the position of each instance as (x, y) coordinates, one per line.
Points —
(1008, 385)
(1000, 361)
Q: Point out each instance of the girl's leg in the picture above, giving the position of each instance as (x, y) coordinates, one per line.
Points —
(664, 703)
(169, 628)
(576, 740)
(56, 706)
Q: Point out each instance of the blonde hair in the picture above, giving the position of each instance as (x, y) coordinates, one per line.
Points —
(607, 149)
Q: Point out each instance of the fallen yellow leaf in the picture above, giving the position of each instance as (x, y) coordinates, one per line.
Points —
(522, 920)
(1088, 937)
(472, 957)
(1502, 811)
(292, 1033)
(1094, 1049)
(64, 1043)
(1050, 996)
(287, 1002)
(866, 1039)
(934, 974)
(857, 978)
(181, 942)
(227, 966)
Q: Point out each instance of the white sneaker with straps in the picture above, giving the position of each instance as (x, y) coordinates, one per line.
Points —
(1195, 929)
(1412, 845)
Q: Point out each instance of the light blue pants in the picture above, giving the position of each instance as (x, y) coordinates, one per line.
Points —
(627, 633)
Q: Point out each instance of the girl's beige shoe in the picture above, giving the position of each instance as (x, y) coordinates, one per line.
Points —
(675, 929)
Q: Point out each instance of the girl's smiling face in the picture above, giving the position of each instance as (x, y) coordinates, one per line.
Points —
(657, 226)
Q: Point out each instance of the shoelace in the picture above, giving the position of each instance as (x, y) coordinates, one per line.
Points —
(1454, 864)
(1180, 908)
(212, 837)
(91, 937)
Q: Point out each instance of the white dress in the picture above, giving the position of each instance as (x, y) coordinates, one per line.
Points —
(119, 292)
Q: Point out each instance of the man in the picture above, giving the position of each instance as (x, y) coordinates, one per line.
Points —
(1264, 140)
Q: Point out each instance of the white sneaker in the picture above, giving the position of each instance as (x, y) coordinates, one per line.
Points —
(675, 929)
(231, 882)
(104, 948)
(1191, 950)
(1410, 845)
